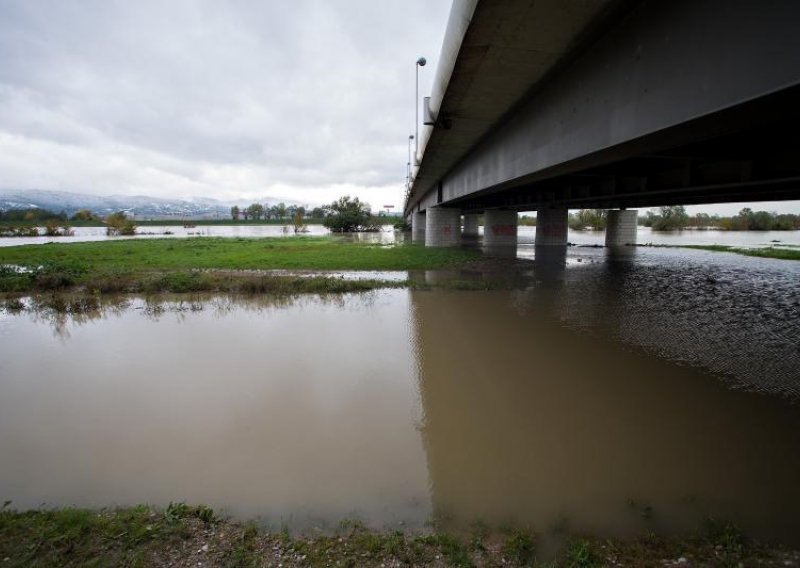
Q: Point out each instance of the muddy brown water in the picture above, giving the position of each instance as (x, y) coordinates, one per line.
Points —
(599, 393)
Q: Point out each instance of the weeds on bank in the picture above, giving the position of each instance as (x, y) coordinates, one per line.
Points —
(175, 512)
(520, 547)
(54, 278)
(580, 554)
(725, 536)
(244, 548)
(57, 280)
(187, 534)
(766, 252)
(80, 537)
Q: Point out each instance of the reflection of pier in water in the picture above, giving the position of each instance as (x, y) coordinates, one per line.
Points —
(527, 421)
(536, 409)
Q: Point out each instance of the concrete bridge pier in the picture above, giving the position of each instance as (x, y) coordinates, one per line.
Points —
(500, 227)
(621, 227)
(442, 227)
(470, 225)
(500, 233)
(418, 227)
(551, 227)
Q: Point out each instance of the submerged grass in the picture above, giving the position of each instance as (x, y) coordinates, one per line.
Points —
(767, 252)
(54, 280)
(184, 535)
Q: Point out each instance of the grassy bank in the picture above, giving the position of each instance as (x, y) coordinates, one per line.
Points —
(768, 252)
(90, 284)
(299, 253)
(210, 265)
(182, 535)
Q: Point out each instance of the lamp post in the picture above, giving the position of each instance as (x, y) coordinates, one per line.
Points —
(420, 63)
(410, 138)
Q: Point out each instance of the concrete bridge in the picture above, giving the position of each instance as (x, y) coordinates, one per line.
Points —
(547, 105)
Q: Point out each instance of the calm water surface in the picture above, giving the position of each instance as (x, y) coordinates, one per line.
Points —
(602, 393)
(83, 234)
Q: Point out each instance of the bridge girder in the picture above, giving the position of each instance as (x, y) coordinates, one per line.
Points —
(680, 102)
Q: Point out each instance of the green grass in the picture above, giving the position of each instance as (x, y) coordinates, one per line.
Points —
(211, 264)
(85, 285)
(81, 537)
(768, 252)
(520, 547)
(581, 554)
(193, 535)
(306, 253)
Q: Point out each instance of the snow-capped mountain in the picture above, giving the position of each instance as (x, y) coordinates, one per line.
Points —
(142, 207)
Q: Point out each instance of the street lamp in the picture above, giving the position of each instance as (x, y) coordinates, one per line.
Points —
(408, 177)
(420, 63)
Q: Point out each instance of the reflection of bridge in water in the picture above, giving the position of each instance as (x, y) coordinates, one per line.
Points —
(562, 104)
(492, 399)
(535, 415)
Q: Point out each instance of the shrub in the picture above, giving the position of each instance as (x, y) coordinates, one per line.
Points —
(21, 231)
(347, 215)
(299, 221)
(520, 546)
(119, 224)
(579, 554)
(83, 215)
(671, 218)
(594, 219)
(53, 228)
(402, 225)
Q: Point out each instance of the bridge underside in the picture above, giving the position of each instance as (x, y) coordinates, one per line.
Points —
(680, 102)
(759, 161)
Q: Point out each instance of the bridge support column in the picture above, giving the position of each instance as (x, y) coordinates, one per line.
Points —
(621, 227)
(417, 227)
(442, 227)
(500, 233)
(500, 228)
(551, 227)
(470, 226)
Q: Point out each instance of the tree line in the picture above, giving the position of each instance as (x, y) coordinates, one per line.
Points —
(56, 224)
(346, 214)
(675, 218)
(279, 211)
(32, 214)
(37, 215)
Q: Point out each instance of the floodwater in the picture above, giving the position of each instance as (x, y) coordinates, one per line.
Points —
(84, 234)
(645, 235)
(388, 235)
(601, 392)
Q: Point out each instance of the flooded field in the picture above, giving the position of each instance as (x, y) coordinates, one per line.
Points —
(82, 234)
(600, 392)
(387, 234)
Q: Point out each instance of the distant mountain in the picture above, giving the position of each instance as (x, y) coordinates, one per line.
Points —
(142, 207)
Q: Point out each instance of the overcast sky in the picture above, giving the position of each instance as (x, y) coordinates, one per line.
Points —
(303, 99)
(240, 99)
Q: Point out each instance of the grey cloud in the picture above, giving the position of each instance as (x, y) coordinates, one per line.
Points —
(299, 94)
